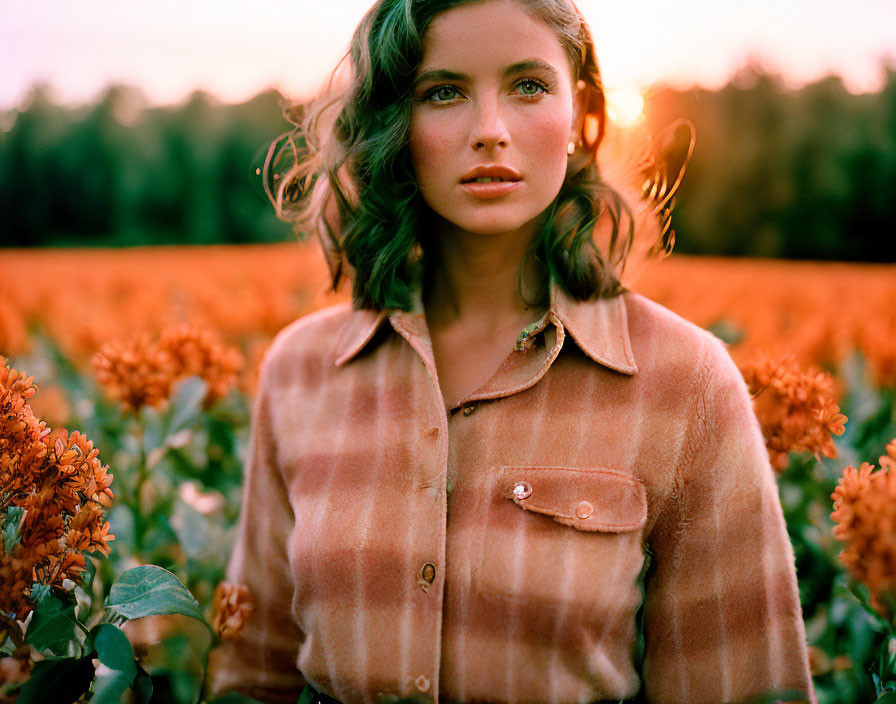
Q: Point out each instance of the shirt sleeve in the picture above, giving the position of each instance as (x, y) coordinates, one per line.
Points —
(261, 661)
(722, 617)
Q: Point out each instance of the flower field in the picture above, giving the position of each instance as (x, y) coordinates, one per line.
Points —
(124, 451)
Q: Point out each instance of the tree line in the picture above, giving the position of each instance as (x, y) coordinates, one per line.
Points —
(776, 172)
(793, 173)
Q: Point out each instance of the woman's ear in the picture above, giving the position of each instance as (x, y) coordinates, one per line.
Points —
(579, 110)
(590, 115)
(587, 128)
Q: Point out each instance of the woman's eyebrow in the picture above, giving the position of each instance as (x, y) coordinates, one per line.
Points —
(519, 67)
(440, 75)
(529, 65)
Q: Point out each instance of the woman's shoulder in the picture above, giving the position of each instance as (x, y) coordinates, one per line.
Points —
(665, 342)
(311, 337)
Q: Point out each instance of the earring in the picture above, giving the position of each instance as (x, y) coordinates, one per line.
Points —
(571, 148)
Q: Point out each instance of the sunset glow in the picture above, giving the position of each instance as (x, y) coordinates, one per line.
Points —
(235, 49)
(625, 106)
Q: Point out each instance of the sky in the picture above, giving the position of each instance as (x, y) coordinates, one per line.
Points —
(237, 48)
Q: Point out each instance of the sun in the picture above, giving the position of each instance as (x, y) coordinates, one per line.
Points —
(625, 106)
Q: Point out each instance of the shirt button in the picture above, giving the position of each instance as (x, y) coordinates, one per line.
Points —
(522, 490)
(584, 509)
(426, 576)
(422, 683)
(469, 409)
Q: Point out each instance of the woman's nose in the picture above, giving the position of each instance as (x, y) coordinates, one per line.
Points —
(489, 130)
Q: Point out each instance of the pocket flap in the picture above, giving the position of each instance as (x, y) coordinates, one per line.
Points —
(587, 499)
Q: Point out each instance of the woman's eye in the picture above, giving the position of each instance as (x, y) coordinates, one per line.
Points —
(530, 88)
(442, 94)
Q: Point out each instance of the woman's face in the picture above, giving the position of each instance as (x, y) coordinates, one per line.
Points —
(493, 114)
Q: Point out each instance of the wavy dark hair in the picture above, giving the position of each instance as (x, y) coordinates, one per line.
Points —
(348, 173)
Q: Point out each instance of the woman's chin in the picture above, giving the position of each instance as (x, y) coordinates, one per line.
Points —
(495, 226)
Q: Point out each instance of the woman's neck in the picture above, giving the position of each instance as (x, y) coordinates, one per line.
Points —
(476, 279)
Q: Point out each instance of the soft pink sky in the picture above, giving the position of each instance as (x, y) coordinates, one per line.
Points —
(236, 48)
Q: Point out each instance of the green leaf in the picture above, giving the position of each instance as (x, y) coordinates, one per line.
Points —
(39, 592)
(57, 681)
(727, 331)
(54, 627)
(888, 698)
(121, 518)
(186, 404)
(861, 592)
(174, 429)
(151, 590)
(11, 523)
(143, 687)
(114, 650)
(153, 428)
(307, 695)
(89, 572)
(199, 536)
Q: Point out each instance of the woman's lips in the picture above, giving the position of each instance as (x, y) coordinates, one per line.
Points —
(493, 189)
(490, 180)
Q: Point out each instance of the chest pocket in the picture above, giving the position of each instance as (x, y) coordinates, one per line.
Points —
(564, 539)
(601, 500)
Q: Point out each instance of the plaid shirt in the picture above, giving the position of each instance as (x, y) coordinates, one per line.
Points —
(497, 551)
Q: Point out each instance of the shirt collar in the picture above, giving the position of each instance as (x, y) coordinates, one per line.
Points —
(598, 326)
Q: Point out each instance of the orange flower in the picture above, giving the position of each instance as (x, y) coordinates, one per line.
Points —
(877, 340)
(78, 461)
(141, 373)
(13, 332)
(197, 353)
(819, 662)
(134, 372)
(865, 514)
(796, 409)
(21, 449)
(52, 405)
(88, 532)
(54, 480)
(888, 461)
(232, 607)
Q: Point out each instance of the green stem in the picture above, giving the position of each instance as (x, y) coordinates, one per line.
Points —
(140, 522)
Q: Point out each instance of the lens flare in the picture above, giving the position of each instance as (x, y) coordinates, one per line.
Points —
(625, 106)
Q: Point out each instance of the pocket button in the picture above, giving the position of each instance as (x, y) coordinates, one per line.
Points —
(584, 510)
(522, 490)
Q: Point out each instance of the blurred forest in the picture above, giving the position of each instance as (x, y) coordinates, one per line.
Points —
(805, 173)
(795, 174)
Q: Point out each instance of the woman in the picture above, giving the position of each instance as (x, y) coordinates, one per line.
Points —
(489, 476)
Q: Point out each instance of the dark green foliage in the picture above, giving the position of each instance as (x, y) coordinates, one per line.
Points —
(70, 649)
(57, 681)
(839, 620)
(807, 174)
(120, 173)
(54, 627)
(115, 652)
